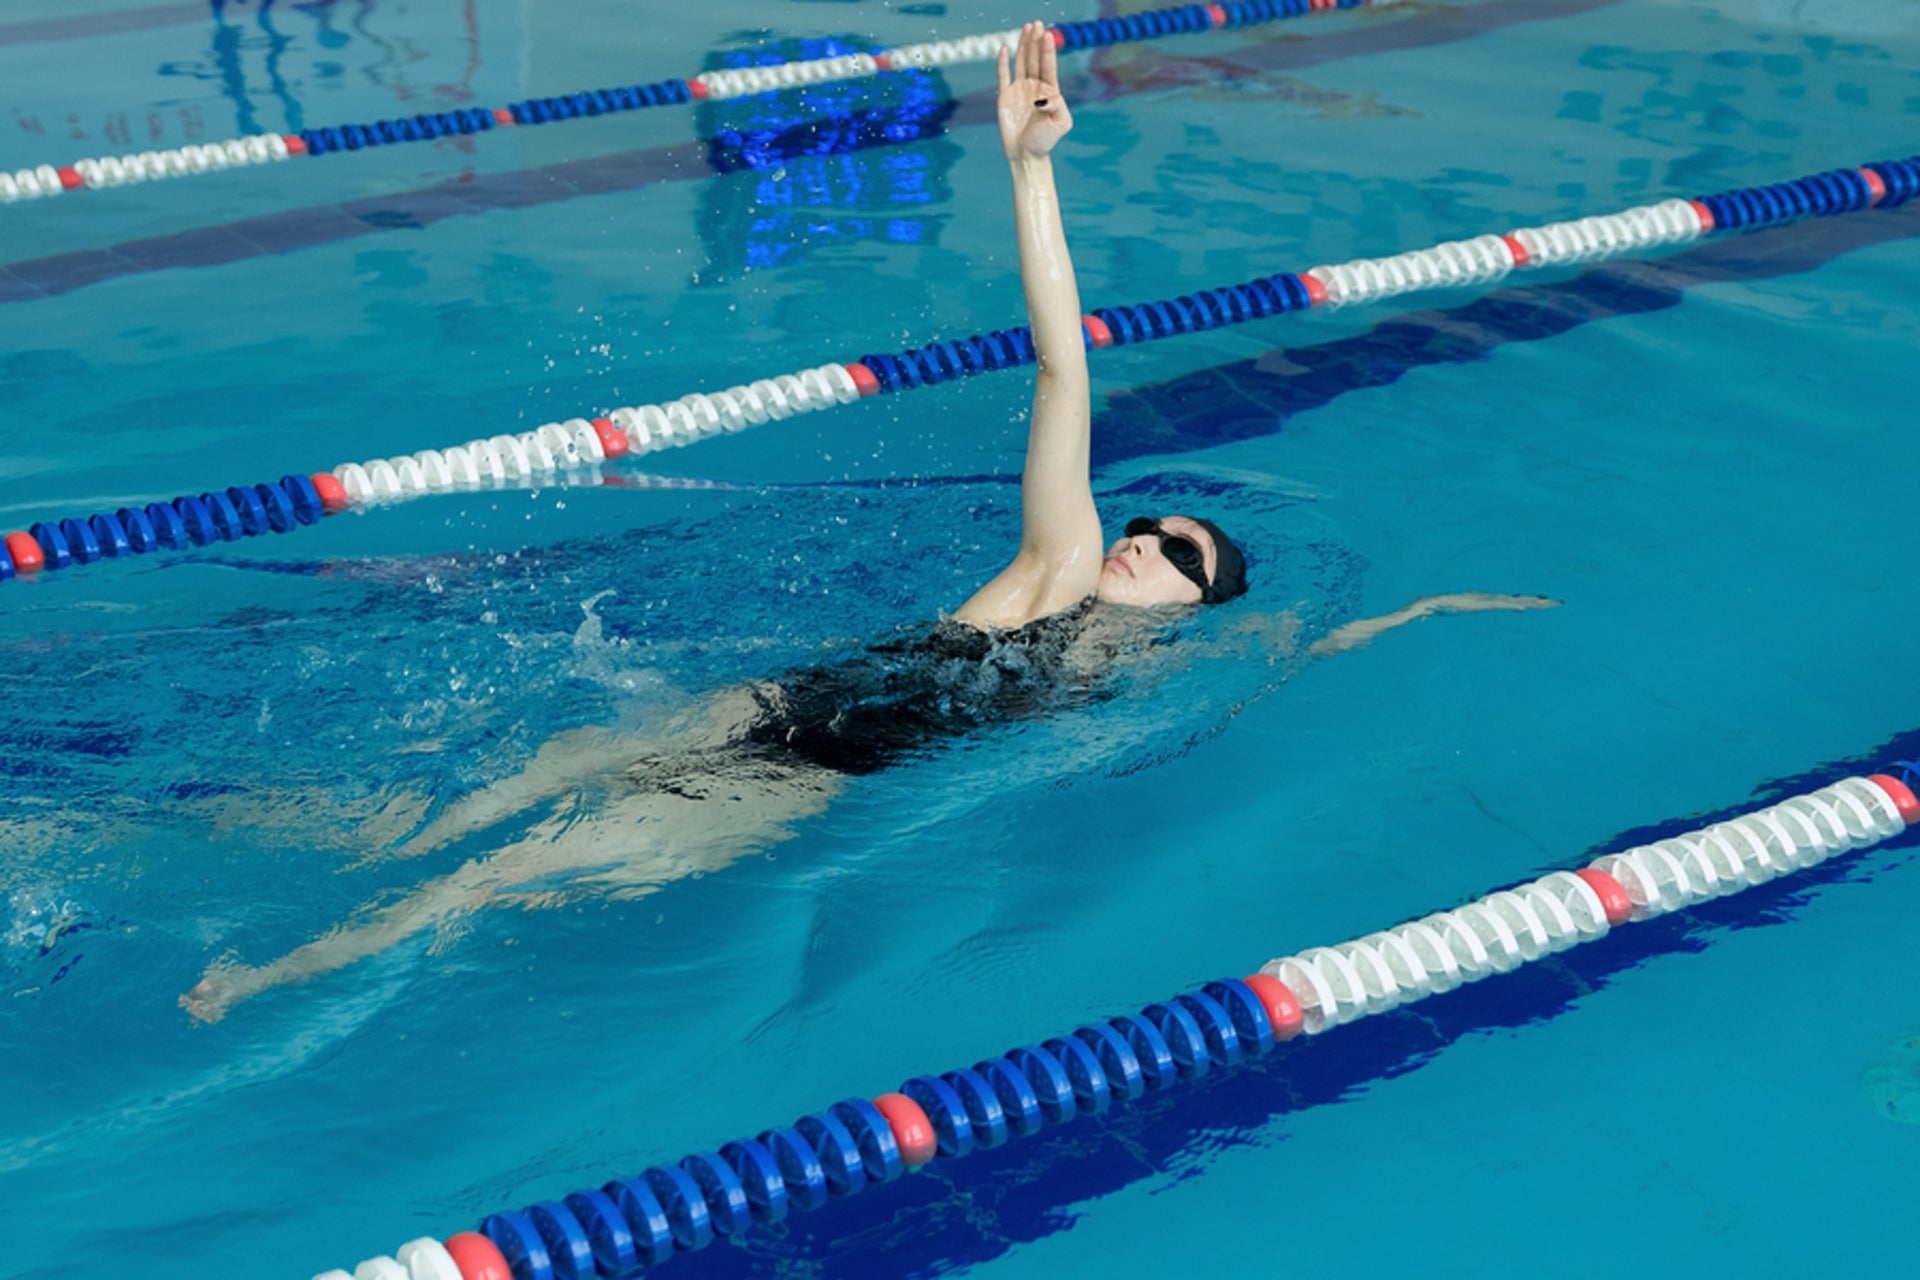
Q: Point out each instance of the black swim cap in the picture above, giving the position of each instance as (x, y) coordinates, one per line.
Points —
(1229, 566)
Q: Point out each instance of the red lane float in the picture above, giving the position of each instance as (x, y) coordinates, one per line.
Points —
(613, 442)
(477, 1257)
(333, 495)
(1902, 796)
(911, 1128)
(1282, 1006)
(1613, 898)
(26, 553)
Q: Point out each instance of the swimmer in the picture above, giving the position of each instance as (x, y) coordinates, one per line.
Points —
(735, 775)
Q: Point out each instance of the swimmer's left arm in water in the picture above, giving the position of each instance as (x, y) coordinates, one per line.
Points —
(1358, 634)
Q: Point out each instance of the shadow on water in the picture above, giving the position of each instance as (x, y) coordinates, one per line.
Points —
(958, 1213)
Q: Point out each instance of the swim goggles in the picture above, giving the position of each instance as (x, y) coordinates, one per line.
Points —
(1182, 553)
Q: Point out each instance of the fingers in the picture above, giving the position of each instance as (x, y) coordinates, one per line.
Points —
(1036, 58)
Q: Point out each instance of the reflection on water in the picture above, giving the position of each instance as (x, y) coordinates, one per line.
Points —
(1891, 1082)
(260, 68)
(827, 160)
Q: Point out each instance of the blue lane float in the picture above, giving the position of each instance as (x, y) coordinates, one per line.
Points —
(635, 1222)
(190, 521)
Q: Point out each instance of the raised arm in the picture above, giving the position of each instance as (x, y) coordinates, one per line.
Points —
(1058, 563)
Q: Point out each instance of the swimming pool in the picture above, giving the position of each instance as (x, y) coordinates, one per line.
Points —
(219, 753)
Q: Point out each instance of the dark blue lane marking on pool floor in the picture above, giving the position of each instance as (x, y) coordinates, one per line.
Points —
(964, 1212)
(284, 232)
(1249, 398)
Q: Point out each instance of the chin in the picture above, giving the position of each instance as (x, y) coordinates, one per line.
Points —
(1125, 599)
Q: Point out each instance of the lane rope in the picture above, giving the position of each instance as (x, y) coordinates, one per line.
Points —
(637, 1222)
(94, 173)
(560, 449)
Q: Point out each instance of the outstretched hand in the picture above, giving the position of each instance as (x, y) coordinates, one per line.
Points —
(1356, 635)
(1033, 113)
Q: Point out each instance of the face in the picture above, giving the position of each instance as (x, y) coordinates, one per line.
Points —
(1138, 572)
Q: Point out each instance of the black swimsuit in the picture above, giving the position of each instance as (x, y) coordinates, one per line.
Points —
(865, 713)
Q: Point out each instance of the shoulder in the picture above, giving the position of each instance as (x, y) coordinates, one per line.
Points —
(964, 630)
(1034, 586)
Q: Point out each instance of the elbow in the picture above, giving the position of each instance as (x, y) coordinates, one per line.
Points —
(1054, 370)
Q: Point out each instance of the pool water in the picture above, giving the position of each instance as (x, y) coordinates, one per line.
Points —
(216, 757)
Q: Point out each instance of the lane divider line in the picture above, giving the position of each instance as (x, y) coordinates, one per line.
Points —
(113, 171)
(638, 1222)
(558, 449)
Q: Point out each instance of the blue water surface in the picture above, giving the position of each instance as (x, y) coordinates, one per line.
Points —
(215, 758)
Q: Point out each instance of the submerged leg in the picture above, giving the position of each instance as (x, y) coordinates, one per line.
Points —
(560, 765)
(632, 848)
(568, 759)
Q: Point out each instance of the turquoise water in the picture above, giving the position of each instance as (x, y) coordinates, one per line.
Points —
(219, 754)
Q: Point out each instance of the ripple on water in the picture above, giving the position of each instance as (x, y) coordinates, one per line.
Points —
(1891, 1082)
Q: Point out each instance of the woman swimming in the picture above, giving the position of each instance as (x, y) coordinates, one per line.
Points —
(736, 774)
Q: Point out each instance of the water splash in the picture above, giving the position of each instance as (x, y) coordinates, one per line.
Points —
(38, 917)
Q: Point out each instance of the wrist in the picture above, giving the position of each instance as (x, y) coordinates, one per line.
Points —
(1031, 166)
